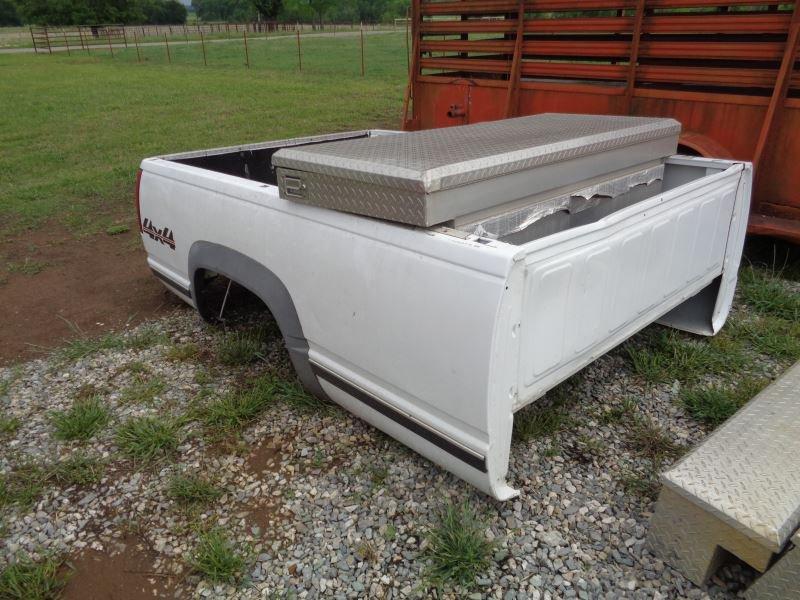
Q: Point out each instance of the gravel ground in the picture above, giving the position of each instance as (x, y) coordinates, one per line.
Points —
(325, 505)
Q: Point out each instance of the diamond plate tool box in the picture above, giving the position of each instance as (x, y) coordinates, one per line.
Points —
(432, 177)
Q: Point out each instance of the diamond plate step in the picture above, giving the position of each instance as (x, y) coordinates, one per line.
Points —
(738, 490)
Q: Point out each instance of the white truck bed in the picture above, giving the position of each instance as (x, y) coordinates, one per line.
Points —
(438, 335)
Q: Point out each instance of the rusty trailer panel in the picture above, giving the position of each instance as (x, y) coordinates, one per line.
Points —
(728, 71)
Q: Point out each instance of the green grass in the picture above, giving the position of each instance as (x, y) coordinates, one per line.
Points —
(713, 405)
(663, 355)
(27, 481)
(27, 267)
(26, 579)
(236, 409)
(143, 390)
(117, 229)
(23, 485)
(78, 469)
(293, 395)
(645, 485)
(233, 411)
(9, 425)
(764, 292)
(145, 439)
(650, 441)
(182, 352)
(768, 335)
(191, 490)
(83, 345)
(82, 421)
(458, 550)
(217, 559)
(545, 417)
(236, 348)
(119, 112)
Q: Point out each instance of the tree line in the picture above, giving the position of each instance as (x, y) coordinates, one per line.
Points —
(163, 12)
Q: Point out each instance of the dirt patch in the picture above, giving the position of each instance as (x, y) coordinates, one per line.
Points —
(51, 282)
(264, 458)
(128, 573)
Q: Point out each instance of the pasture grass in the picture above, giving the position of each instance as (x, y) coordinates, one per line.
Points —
(458, 550)
(75, 128)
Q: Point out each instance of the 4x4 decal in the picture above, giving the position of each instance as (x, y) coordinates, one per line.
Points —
(163, 235)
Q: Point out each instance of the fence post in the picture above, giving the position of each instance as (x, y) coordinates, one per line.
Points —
(299, 55)
(86, 46)
(33, 40)
(362, 51)
(110, 47)
(203, 44)
(66, 42)
(246, 51)
(125, 35)
(136, 41)
(166, 45)
(47, 37)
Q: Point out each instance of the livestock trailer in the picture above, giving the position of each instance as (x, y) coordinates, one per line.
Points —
(728, 71)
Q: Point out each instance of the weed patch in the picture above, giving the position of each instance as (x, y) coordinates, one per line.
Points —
(26, 579)
(82, 421)
(78, 469)
(143, 390)
(713, 405)
(665, 355)
(190, 490)
(217, 558)
(23, 485)
(235, 348)
(27, 267)
(182, 352)
(146, 439)
(764, 293)
(9, 425)
(458, 549)
(117, 229)
(649, 441)
(769, 335)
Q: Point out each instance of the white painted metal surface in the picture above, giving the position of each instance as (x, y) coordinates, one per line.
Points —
(437, 339)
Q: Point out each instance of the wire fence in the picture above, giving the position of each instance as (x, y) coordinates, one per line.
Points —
(86, 38)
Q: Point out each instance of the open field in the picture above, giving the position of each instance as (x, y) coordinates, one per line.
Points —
(74, 128)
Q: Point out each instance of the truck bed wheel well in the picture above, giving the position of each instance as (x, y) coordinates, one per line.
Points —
(205, 257)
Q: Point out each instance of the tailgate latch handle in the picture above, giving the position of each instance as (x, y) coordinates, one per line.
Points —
(294, 187)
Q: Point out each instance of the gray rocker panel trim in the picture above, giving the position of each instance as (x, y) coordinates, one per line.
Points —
(270, 289)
